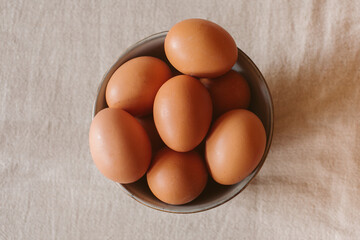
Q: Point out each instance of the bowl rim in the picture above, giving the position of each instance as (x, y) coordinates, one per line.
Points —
(255, 171)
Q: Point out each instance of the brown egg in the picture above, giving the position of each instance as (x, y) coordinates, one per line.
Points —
(177, 178)
(235, 146)
(119, 145)
(182, 112)
(134, 84)
(149, 126)
(228, 92)
(200, 48)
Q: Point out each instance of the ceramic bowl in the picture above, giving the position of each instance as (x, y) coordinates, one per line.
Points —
(214, 194)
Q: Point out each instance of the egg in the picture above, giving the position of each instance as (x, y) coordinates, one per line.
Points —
(177, 178)
(200, 48)
(148, 124)
(182, 112)
(134, 84)
(229, 91)
(234, 146)
(119, 145)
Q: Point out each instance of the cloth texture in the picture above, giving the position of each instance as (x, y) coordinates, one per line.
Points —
(53, 55)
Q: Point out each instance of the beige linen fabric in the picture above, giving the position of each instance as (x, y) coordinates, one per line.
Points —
(52, 57)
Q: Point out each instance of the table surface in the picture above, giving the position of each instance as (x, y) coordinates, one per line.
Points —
(53, 55)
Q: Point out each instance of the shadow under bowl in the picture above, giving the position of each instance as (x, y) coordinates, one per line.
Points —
(214, 194)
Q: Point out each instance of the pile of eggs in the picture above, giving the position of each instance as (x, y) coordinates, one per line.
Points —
(179, 127)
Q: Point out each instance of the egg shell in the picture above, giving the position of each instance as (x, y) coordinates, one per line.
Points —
(182, 112)
(234, 146)
(177, 178)
(134, 84)
(229, 91)
(148, 124)
(119, 145)
(200, 48)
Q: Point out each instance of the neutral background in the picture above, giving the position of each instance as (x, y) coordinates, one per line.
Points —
(53, 55)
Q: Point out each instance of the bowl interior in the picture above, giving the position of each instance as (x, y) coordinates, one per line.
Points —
(214, 194)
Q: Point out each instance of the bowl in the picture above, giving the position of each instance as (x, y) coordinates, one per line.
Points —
(214, 194)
